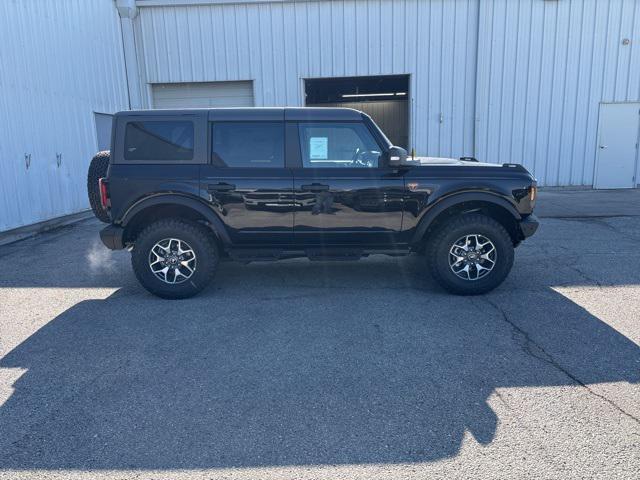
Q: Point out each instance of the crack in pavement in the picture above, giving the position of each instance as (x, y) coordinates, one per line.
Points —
(533, 349)
(584, 275)
(602, 222)
(586, 217)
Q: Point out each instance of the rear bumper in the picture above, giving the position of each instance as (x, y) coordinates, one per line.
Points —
(529, 225)
(111, 236)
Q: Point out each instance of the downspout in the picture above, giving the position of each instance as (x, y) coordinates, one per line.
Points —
(128, 11)
(477, 120)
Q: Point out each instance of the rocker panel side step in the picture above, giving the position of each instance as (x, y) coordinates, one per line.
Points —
(246, 255)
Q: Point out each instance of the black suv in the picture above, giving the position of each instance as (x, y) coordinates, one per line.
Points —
(183, 189)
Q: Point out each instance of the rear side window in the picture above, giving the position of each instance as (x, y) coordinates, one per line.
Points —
(159, 140)
(248, 144)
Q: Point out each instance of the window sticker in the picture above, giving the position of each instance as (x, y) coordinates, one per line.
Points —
(318, 148)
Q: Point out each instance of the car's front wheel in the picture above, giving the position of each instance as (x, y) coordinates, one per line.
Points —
(175, 258)
(470, 254)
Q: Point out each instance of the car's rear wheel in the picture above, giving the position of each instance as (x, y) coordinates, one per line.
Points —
(175, 258)
(470, 254)
(97, 169)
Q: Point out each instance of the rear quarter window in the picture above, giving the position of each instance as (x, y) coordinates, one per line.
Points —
(248, 144)
(162, 141)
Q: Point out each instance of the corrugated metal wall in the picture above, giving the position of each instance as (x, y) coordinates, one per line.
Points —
(61, 60)
(543, 69)
(278, 44)
(504, 80)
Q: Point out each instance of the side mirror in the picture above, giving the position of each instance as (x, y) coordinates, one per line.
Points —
(396, 156)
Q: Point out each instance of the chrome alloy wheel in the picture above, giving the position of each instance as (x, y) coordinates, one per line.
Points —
(172, 260)
(472, 257)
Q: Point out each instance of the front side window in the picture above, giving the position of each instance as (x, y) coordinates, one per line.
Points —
(335, 145)
(159, 140)
(248, 144)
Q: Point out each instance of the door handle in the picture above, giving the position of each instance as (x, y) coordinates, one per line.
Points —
(221, 187)
(602, 147)
(314, 187)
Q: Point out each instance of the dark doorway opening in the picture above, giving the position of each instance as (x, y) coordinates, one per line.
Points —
(385, 98)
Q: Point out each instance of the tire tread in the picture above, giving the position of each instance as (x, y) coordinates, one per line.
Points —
(139, 263)
(464, 221)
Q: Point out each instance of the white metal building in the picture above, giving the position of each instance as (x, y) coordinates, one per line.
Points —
(60, 61)
(552, 84)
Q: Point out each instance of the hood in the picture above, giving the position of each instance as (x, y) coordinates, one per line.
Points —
(428, 161)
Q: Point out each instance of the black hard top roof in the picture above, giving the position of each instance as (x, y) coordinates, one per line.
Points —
(256, 113)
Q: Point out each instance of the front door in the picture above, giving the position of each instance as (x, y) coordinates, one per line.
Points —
(344, 195)
(247, 183)
(618, 130)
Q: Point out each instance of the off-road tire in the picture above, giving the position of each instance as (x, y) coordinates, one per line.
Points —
(199, 238)
(437, 252)
(97, 169)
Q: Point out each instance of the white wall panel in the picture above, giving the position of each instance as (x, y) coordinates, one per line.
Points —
(60, 60)
(543, 69)
(279, 44)
(508, 81)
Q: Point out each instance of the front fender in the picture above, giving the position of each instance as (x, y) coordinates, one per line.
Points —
(449, 201)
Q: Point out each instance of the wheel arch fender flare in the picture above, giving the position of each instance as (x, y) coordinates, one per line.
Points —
(182, 200)
(449, 201)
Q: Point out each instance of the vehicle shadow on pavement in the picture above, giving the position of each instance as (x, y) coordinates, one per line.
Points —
(356, 363)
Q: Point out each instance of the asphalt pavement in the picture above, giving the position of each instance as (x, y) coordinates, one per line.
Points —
(301, 369)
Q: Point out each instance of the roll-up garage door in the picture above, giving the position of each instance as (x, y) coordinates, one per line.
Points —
(202, 95)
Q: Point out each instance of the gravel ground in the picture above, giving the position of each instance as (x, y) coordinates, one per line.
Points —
(323, 370)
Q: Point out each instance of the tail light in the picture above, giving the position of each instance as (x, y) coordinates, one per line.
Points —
(104, 193)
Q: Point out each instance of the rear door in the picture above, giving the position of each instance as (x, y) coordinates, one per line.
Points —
(246, 181)
(345, 194)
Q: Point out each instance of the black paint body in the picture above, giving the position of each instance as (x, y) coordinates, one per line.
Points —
(384, 209)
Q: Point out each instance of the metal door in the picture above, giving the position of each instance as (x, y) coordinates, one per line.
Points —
(618, 131)
(247, 183)
(104, 121)
(344, 192)
(347, 206)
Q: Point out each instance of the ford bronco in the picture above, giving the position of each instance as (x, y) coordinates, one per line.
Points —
(183, 189)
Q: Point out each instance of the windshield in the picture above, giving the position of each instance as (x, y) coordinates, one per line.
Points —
(372, 124)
